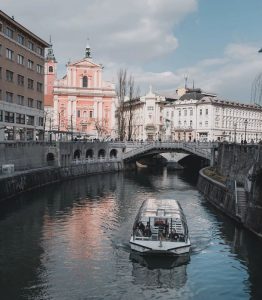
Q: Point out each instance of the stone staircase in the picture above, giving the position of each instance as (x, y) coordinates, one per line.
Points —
(241, 203)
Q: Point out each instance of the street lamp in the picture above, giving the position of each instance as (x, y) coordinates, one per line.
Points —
(245, 123)
(235, 132)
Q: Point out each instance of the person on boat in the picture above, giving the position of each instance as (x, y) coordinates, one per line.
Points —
(174, 235)
(147, 231)
(141, 226)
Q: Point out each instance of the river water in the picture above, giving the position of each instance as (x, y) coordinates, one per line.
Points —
(70, 241)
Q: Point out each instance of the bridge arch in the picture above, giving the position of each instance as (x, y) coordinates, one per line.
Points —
(77, 154)
(50, 159)
(101, 153)
(113, 153)
(89, 153)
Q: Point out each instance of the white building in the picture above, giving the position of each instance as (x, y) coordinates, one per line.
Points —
(195, 116)
(152, 116)
(205, 117)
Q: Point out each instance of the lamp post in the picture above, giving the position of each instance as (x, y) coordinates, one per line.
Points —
(235, 132)
(245, 123)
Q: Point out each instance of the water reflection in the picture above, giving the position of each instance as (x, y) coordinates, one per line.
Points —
(164, 272)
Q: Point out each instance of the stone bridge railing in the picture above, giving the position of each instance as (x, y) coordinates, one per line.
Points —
(200, 149)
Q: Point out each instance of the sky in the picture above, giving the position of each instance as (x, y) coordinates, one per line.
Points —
(160, 42)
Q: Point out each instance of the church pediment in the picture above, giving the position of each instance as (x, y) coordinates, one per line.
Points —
(87, 63)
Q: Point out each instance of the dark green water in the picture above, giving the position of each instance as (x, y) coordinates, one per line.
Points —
(70, 241)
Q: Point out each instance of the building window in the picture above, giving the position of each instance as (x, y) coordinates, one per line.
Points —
(200, 124)
(39, 87)
(40, 51)
(9, 54)
(91, 114)
(20, 118)
(85, 81)
(30, 84)
(20, 80)
(30, 102)
(78, 113)
(39, 104)
(30, 64)
(206, 111)
(20, 39)
(9, 32)
(150, 108)
(9, 117)
(84, 114)
(200, 112)
(206, 123)
(20, 59)
(9, 97)
(0, 49)
(20, 100)
(50, 69)
(1, 116)
(30, 45)
(30, 120)
(39, 69)
(191, 112)
(40, 121)
(179, 113)
(185, 112)
(9, 76)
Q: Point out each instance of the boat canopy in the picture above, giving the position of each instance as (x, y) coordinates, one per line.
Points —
(166, 208)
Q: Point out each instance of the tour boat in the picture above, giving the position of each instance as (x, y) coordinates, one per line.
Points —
(160, 228)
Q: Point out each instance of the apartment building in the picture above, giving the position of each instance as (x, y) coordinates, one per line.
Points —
(21, 82)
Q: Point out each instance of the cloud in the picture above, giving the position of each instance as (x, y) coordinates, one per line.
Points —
(230, 76)
(137, 31)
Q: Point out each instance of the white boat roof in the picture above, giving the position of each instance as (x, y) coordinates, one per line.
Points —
(168, 208)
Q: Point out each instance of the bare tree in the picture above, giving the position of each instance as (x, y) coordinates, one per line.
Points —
(101, 127)
(121, 94)
(126, 90)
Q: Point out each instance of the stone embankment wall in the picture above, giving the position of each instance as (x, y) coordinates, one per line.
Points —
(22, 155)
(217, 194)
(224, 199)
(236, 160)
(24, 181)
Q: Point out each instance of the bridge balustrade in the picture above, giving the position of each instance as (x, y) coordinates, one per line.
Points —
(195, 148)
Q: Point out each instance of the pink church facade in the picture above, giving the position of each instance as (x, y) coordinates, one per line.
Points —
(80, 103)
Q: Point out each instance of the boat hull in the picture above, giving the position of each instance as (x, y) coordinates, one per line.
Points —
(160, 247)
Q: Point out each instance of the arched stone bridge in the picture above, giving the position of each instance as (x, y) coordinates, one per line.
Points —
(204, 150)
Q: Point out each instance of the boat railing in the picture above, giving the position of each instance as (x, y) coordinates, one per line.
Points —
(159, 237)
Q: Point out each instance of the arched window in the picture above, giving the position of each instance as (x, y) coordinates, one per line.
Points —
(51, 70)
(85, 81)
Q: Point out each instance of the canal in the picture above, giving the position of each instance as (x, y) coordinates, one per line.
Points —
(70, 241)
